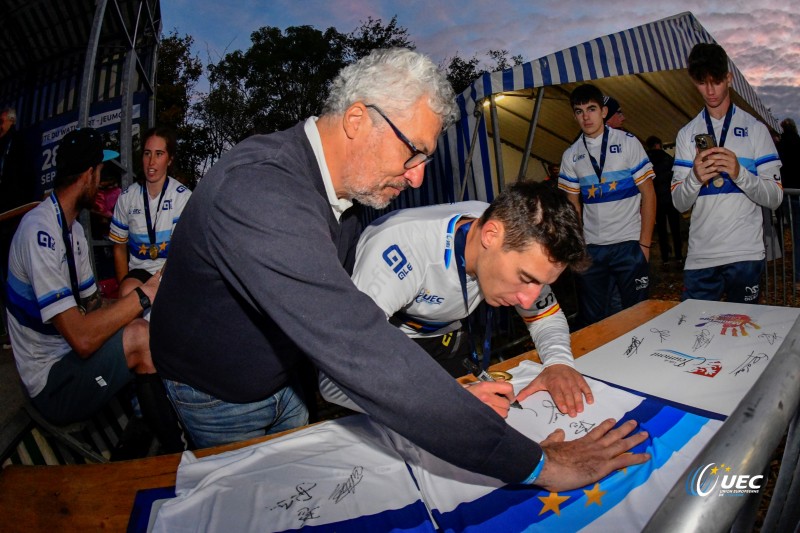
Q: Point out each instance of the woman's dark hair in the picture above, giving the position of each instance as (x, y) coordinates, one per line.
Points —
(165, 133)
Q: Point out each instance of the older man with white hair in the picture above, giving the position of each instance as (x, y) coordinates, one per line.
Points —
(259, 274)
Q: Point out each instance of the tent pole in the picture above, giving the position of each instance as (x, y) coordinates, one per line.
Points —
(87, 81)
(468, 167)
(85, 100)
(498, 148)
(523, 168)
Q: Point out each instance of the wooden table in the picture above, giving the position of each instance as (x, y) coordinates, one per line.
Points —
(100, 496)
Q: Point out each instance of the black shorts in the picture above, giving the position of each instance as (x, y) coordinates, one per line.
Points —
(449, 350)
(77, 388)
(139, 274)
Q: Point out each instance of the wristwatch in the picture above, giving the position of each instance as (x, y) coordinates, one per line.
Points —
(143, 299)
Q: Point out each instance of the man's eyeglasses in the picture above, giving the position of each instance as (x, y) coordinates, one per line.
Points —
(418, 157)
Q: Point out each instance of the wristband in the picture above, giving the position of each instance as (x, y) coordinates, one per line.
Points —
(530, 480)
(144, 301)
(645, 245)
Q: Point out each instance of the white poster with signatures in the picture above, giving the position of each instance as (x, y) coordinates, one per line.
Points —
(338, 475)
(701, 354)
(352, 474)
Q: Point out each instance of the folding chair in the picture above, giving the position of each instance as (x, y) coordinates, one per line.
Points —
(68, 435)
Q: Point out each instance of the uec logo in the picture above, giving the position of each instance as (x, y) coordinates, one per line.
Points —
(704, 480)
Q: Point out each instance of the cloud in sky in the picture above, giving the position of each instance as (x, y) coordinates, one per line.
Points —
(759, 35)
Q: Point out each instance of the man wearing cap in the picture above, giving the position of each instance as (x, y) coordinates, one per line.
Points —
(614, 117)
(73, 351)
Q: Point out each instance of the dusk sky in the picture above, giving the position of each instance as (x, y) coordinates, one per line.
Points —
(762, 37)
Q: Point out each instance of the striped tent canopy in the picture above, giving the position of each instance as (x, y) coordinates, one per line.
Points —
(644, 68)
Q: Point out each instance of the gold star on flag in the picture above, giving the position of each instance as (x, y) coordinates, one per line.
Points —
(594, 495)
(142, 249)
(612, 186)
(552, 503)
(592, 190)
(162, 246)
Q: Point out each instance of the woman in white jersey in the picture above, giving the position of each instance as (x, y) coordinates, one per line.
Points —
(146, 213)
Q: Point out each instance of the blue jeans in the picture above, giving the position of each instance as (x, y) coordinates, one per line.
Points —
(621, 266)
(211, 422)
(738, 281)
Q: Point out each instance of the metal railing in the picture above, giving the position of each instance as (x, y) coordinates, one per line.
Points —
(781, 229)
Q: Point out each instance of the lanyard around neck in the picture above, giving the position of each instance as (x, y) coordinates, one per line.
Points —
(460, 245)
(725, 125)
(151, 228)
(598, 168)
(66, 235)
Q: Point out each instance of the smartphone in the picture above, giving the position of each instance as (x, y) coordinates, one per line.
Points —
(704, 141)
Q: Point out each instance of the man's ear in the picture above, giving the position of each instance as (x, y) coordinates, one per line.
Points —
(87, 175)
(492, 233)
(355, 119)
(605, 112)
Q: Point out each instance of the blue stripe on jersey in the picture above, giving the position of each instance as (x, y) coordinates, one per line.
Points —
(640, 166)
(617, 185)
(119, 224)
(769, 158)
(137, 250)
(684, 163)
(728, 187)
(448, 250)
(23, 307)
(54, 296)
(143, 238)
(86, 284)
(569, 179)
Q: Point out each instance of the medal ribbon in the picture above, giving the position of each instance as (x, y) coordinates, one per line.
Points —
(725, 125)
(598, 169)
(722, 135)
(460, 245)
(151, 229)
(66, 234)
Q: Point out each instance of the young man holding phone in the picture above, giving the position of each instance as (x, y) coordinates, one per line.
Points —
(726, 169)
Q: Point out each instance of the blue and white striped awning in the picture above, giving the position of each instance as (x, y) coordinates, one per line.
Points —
(643, 67)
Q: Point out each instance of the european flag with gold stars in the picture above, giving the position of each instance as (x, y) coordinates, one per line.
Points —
(622, 501)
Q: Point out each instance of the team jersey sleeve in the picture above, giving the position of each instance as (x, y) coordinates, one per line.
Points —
(760, 178)
(84, 270)
(567, 176)
(549, 329)
(641, 167)
(182, 199)
(387, 270)
(685, 187)
(118, 231)
(42, 262)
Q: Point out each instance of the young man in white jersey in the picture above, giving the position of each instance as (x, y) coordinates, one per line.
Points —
(725, 186)
(608, 178)
(73, 350)
(428, 268)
